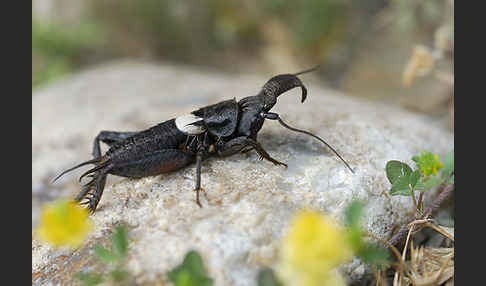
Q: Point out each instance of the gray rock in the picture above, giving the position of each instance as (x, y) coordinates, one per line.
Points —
(249, 202)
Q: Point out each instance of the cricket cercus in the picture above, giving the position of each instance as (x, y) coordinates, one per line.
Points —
(221, 129)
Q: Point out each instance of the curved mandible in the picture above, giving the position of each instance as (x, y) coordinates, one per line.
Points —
(285, 82)
(282, 83)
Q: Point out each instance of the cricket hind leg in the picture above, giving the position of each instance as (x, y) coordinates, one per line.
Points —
(93, 190)
(109, 138)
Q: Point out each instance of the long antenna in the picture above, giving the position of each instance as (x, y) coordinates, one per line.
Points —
(308, 133)
(308, 70)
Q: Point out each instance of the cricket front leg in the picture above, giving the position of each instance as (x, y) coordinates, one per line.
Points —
(239, 143)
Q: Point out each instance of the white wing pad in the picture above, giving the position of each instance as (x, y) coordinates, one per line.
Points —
(190, 124)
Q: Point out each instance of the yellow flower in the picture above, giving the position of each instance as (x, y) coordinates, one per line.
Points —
(313, 248)
(64, 223)
(436, 168)
(428, 163)
(420, 64)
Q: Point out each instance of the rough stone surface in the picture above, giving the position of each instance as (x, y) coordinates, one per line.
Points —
(249, 202)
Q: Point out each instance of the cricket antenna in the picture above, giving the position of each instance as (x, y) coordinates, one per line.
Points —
(308, 133)
(308, 70)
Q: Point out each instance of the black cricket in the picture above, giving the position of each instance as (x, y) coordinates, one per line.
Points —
(221, 129)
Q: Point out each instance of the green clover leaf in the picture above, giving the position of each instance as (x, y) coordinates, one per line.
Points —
(397, 169)
(401, 177)
(191, 272)
(120, 241)
(266, 277)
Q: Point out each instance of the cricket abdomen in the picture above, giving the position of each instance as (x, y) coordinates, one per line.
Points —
(158, 162)
(150, 152)
(162, 136)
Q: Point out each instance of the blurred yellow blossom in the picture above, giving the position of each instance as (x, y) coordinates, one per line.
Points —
(428, 163)
(64, 223)
(312, 250)
(420, 64)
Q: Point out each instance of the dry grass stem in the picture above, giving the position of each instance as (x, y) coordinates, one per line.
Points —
(431, 266)
(402, 266)
(445, 231)
(397, 279)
